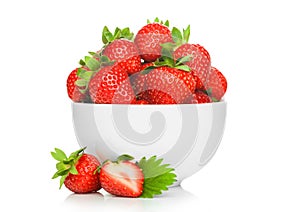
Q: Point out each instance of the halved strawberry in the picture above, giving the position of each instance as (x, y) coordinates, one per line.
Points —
(122, 178)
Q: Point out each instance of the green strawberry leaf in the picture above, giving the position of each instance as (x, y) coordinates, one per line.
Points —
(158, 177)
(107, 36)
(125, 157)
(62, 180)
(184, 68)
(177, 36)
(167, 23)
(92, 53)
(147, 70)
(80, 71)
(58, 155)
(81, 62)
(168, 61)
(214, 99)
(104, 59)
(156, 20)
(148, 21)
(92, 63)
(86, 75)
(184, 59)
(125, 33)
(81, 82)
(73, 170)
(186, 34)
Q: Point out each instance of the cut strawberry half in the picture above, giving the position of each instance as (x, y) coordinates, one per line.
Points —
(122, 178)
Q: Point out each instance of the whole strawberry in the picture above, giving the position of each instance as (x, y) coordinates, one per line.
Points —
(199, 63)
(149, 39)
(138, 80)
(122, 178)
(216, 85)
(78, 171)
(73, 90)
(169, 85)
(198, 97)
(121, 49)
(111, 85)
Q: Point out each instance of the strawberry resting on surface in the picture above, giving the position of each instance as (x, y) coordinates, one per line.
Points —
(145, 178)
(77, 171)
(122, 178)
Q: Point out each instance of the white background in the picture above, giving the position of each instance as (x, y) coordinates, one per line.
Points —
(254, 43)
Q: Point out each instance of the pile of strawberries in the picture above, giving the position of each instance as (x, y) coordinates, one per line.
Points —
(157, 66)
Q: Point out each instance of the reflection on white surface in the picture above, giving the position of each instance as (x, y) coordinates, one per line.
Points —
(171, 200)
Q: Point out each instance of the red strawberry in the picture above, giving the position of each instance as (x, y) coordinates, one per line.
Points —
(198, 97)
(77, 171)
(140, 102)
(73, 90)
(138, 80)
(149, 40)
(122, 178)
(216, 85)
(168, 85)
(200, 62)
(125, 53)
(111, 85)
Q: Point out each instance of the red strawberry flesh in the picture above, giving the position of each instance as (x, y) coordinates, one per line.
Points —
(122, 178)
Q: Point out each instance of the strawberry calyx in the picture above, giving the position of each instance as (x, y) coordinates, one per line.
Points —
(170, 62)
(90, 66)
(157, 20)
(66, 164)
(179, 37)
(124, 157)
(108, 36)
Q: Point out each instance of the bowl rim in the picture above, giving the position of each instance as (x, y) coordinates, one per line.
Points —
(222, 102)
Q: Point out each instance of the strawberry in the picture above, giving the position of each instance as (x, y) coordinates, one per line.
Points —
(73, 90)
(149, 39)
(138, 80)
(216, 85)
(140, 102)
(122, 178)
(121, 49)
(200, 62)
(198, 97)
(77, 172)
(125, 53)
(111, 85)
(167, 85)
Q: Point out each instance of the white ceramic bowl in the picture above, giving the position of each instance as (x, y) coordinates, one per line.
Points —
(186, 136)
